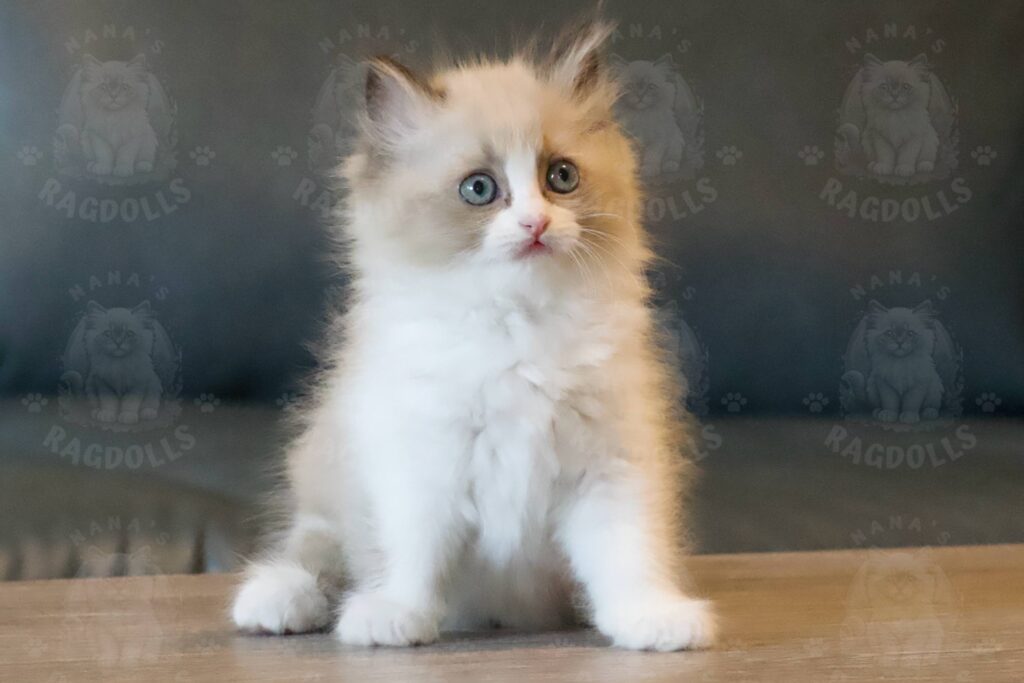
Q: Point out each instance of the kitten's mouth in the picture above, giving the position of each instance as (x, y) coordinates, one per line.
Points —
(534, 248)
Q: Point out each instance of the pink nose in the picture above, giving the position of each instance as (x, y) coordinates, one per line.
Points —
(536, 224)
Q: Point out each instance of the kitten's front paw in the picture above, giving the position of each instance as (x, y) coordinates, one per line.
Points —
(665, 625)
(143, 166)
(909, 417)
(905, 170)
(98, 168)
(123, 171)
(878, 168)
(370, 619)
(105, 415)
(148, 413)
(128, 418)
(925, 166)
(930, 414)
(670, 166)
(280, 599)
(885, 415)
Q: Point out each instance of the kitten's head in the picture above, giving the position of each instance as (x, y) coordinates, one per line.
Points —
(901, 332)
(901, 579)
(895, 84)
(118, 332)
(646, 85)
(516, 164)
(115, 85)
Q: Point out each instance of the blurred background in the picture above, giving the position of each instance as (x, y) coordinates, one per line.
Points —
(780, 247)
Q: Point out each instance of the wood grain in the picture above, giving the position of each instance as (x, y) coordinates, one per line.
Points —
(819, 616)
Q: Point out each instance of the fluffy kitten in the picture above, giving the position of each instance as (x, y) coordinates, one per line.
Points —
(647, 110)
(898, 137)
(122, 384)
(117, 137)
(903, 384)
(496, 429)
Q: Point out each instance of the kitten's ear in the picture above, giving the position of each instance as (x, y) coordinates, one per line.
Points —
(617, 63)
(920, 63)
(93, 308)
(138, 61)
(875, 311)
(143, 310)
(925, 309)
(665, 60)
(577, 58)
(871, 61)
(396, 99)
(90, 65)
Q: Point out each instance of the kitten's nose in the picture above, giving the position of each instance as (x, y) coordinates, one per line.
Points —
(536, 224)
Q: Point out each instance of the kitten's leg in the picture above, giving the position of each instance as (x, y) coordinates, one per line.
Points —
(124, 166)
(146, 157)
(416, 535)
(910, 404)
(622, 549)
(932, 400)
(128, 411)
(151, 400)
(653, 155)
(674, 154)
(104, 157)
(288, 591)
(885, 156)
(108, 404)
(906, 162)
(889, 399)
(929, 153)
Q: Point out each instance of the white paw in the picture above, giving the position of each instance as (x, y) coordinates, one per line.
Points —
(369, 619)
(280, 598)
(674, 623)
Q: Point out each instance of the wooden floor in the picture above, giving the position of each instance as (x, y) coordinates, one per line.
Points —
(952, 614)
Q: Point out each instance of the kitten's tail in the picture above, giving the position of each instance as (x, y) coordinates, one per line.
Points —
(852, 390)
(849, 134)
(71, 382)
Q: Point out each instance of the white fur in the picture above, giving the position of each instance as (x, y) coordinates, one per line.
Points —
(493, 435)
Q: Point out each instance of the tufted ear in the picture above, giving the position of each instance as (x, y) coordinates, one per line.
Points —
(871, 61)
(577, 56)
(920, 63)
(396, 100)
(875, 311)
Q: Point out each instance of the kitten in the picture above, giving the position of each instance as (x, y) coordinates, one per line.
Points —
(903, 383)
(496, 427)
(117, 137)
(898, 136)
(647, 111)
(122, 384)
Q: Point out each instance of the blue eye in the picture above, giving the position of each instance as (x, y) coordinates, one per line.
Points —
(563, 176)
(478, 189)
